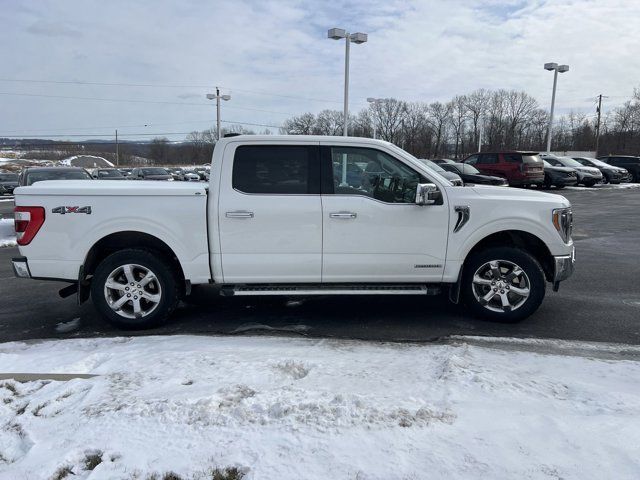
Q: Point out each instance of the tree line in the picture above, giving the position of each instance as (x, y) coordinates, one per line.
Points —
(495, 120)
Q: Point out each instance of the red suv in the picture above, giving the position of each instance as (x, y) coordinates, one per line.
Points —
(519, 168)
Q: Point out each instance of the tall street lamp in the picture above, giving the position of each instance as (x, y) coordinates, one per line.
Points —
(375, 102)
(357, 38)
(556, 68)
(218, 97)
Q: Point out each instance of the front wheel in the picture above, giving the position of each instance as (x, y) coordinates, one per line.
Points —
(134, 289)
(503, 284)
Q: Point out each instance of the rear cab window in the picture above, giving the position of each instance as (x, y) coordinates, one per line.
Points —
(276, 169)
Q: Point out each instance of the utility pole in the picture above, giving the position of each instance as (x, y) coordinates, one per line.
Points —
(599, 111)
(218, 97)
(117, 149)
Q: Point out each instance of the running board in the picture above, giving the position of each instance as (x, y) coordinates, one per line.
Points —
(305, 289)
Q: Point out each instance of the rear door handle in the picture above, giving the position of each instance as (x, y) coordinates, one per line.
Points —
(239, 214)
(343, 215)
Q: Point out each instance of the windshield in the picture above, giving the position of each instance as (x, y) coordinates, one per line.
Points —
(464, 168)
(109, 174)
(531, 158)
(33, 177)
(154, 171)
(8, 177)
(432, 165)
(570, 162)
(593, 161)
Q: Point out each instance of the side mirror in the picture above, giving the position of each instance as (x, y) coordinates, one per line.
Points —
(427, 194)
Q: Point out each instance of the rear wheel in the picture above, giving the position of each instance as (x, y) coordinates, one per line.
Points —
(503, 284)
(134, 289)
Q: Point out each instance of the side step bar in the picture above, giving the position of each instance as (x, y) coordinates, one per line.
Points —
(329, 289)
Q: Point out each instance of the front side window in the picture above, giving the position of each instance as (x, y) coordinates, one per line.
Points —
(472, 160)
(373, 173)
(276, 169)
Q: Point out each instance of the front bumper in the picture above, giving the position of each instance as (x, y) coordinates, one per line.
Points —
(21, 267)
(563, 267)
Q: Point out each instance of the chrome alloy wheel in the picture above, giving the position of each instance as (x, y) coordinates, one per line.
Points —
(132, 291)
(501, 286)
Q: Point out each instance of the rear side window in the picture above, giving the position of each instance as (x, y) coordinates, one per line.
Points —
(513, 157)
(276, 169)
(472, 160)
(487, 158)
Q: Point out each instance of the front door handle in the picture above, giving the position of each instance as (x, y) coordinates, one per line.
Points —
(343, 215)
(239, 214)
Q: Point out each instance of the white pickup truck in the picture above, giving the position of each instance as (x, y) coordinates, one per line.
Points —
(295, 215)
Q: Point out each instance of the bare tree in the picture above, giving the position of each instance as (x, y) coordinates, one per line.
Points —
(301, 125)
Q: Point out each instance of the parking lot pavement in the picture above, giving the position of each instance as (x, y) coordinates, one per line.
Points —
(601, 302)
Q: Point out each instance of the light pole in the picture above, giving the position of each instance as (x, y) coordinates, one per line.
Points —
(375, 102)
(217, 96)
(357, 38)
(556, 68)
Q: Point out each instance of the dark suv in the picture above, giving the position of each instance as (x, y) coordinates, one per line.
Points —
(628, 162)
(519, 168)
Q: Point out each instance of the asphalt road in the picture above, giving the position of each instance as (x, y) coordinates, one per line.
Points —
(601, 302)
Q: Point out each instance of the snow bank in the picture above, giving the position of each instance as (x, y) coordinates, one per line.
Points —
(283, 408)
(7, 233)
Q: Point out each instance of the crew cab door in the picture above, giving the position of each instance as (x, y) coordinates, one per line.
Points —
(372, 229)
(270, 213)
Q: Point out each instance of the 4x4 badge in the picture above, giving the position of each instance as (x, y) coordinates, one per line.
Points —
(64, 210)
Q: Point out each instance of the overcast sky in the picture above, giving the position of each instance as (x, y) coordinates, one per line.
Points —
(274, 59)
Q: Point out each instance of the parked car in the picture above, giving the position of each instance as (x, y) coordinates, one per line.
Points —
(191, 176)
(107, 174)
(453, 177)
(521, 169)
(275, 222)
(151, 173)
(470, 174)
(8, 181)
(202, 172)
(126, 172)
(440, 161)
(31, 175)
(630, 163)
(559, 177)
(587, 176)
(610, 174)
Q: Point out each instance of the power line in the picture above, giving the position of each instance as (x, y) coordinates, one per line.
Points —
(130, 134)
(120, 100)
(151, 85)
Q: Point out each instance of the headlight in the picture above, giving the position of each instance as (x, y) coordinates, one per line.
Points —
(563, 222)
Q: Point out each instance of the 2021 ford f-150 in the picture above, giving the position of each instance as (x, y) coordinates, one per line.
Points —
(295, 215)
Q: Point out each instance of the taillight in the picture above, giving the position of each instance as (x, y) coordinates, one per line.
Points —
(28, 221)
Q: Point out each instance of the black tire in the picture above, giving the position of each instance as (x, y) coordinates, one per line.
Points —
(547, 182)
(165, 283)
(605, 179)
(589, 184)
(527, 263)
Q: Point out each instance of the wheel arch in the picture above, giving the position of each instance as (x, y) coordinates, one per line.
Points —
(518, 239)
(132, 239)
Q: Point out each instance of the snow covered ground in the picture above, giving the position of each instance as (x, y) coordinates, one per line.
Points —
(284, 408)
(7, 233)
